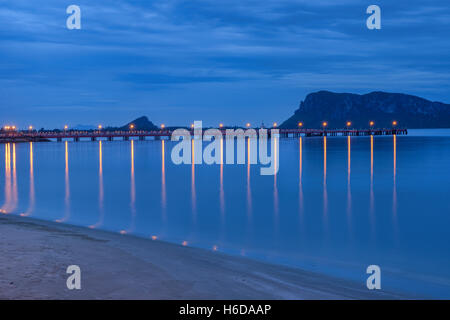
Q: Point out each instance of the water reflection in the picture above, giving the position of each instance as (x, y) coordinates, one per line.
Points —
(221, 190)
(275, 185)
(32, 195)
(394, 189)
(163, 178)
(300, 176)
(349, 190)
(372, 195)
(193, 193)
(249, 194)
(325, 192)
(100, 188)
(66, 186)
(8, 184)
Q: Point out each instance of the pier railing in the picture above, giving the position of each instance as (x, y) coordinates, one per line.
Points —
(76, 135)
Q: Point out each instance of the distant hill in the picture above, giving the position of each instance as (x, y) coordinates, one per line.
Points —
(141, 123)
(381, 107)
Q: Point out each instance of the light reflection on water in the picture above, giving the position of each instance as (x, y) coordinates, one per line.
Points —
(337, 204)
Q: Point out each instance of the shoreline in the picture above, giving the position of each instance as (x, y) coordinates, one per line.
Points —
(36, 254)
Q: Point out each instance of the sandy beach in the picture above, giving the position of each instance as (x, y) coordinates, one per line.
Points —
(35, 255)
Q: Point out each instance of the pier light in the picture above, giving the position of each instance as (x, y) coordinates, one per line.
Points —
(192, 125)
(221, 125)
(162, 126)
(248, 125)
(300, 124)
(131, 126)
(324, 124)
(349, 123)
(275, 124)
(394, 123)
(371, 123)
(6, 127)
(66, 127)
(99, 127)
(30, 128)
(13, 127)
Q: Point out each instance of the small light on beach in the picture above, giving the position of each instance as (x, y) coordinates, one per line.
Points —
(123, 232)
(154, 237)
(349, 123)
(371, 123)
(394, 123)
(248, 125)
(300, 124)
(275, 124)
(184, 243)
(324, 123)
(215, 248)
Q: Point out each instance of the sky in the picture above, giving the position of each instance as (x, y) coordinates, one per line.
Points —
(219, 61)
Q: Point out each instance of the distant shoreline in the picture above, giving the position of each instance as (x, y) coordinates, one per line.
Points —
(115, 266)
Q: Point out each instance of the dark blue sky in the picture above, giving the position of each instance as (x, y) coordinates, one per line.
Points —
(228, 61)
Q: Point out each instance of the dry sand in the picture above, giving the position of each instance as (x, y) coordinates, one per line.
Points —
(35, 254)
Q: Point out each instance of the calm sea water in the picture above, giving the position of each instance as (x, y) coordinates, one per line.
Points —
(336, 205)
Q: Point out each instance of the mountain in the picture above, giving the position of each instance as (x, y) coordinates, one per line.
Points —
(141, 123)
(381, 107)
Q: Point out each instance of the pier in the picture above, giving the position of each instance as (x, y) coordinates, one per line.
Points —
(75, 135)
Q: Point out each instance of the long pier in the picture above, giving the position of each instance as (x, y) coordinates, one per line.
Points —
(75, 135)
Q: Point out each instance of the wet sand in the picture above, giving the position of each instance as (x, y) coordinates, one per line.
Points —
(35, 254)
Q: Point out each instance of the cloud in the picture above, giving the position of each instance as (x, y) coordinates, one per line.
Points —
(150, 53)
